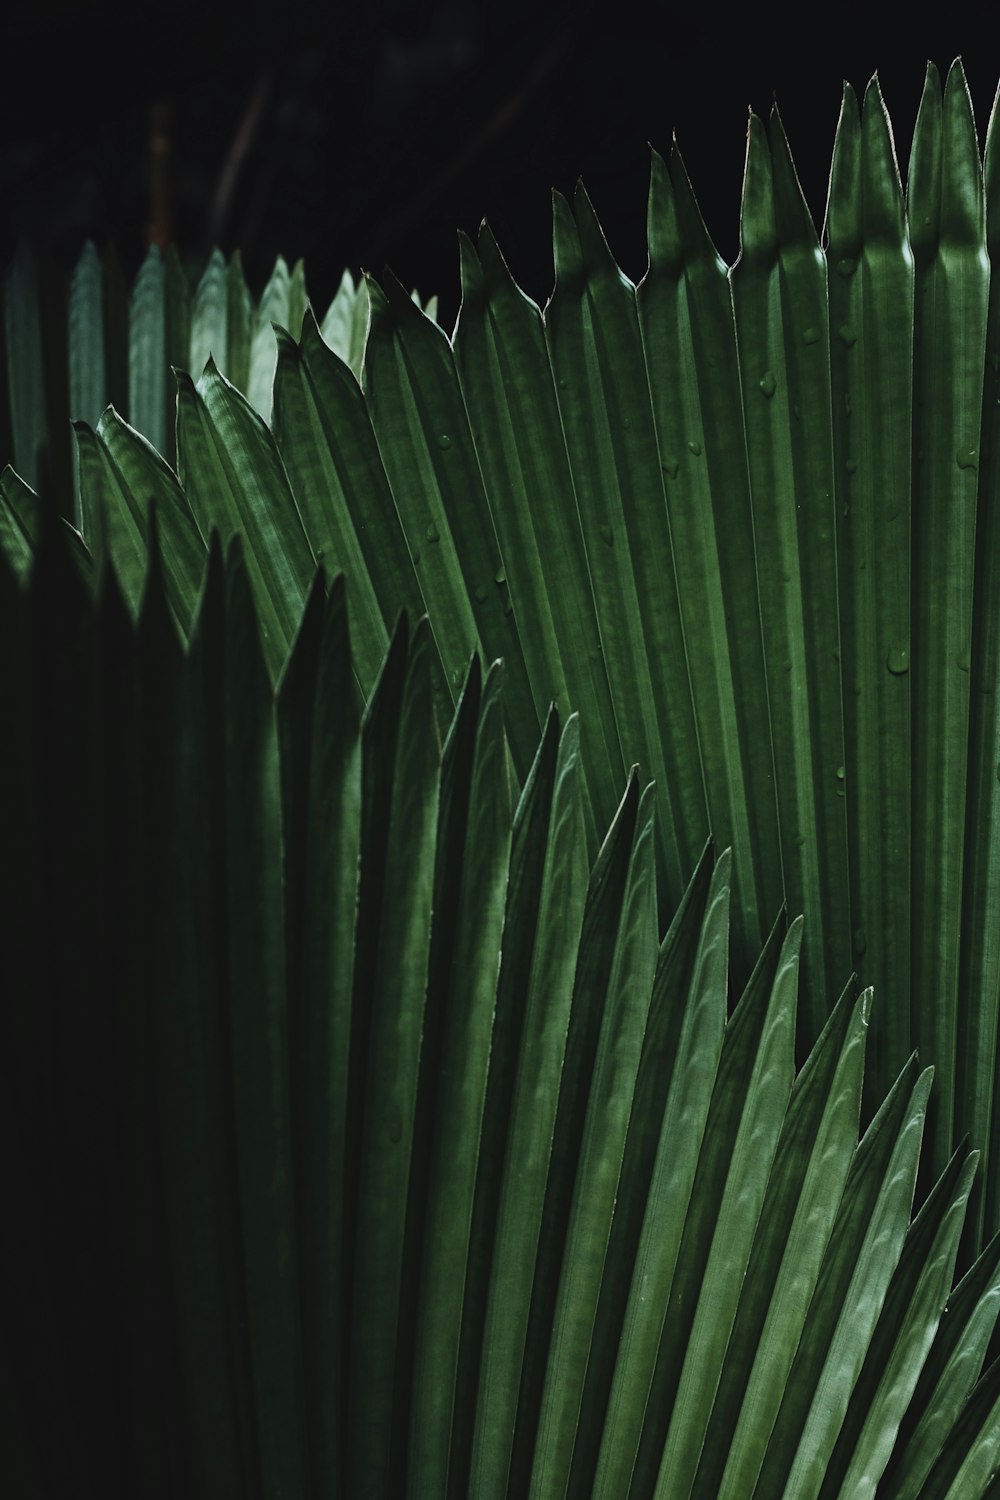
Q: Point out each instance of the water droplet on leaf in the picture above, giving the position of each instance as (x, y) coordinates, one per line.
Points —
(444, 441)
(500, 575)
(848, 335)
(768, 384)
(898, 661)
(607, 536)
(433, 535)
(967, 458)
(811, 336)
(695, 448)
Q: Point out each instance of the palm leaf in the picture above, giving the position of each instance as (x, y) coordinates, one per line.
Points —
(380, 1126)
(677, 607)
(468, 1182)
(738, 519)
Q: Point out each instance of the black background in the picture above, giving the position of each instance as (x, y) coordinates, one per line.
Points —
(366, 136)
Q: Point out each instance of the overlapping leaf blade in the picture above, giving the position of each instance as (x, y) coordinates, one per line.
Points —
(689, 340)
(593, 336)
(979, 979)
(331, 456)
(235, 482)
(426, 443)
(747, 1112)
(951, 286)
(471, 888)
(545, 917)
(507, 382)
(782, 324)
(871, 342)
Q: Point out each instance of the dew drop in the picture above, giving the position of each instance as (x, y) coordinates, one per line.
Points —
(768, 384)
(432, 533)
(444, 441)
(964, 662)
(626, 422)
(671, 467)
(562, 385)
(841, 773)
(811, 336)
(500, 575)
(848, 335)
(898, 661)
(607, 536)
(416, 559)
(851, 466)
(795, 410)
(967, 458)
(508, 606)
(320, 554)
(846, 267)
(482, 593)
(695, 448)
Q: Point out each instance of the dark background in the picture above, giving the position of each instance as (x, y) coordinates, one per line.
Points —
(366, 136)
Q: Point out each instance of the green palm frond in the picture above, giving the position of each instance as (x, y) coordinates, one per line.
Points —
(367, 1138)
(730, 518)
